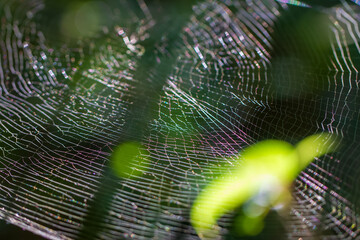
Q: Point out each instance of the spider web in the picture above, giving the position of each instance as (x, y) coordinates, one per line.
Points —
(242, 71)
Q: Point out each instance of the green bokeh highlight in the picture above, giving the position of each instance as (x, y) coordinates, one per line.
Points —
(249, 226)
(268, 168)
(128, 160)
(83, 19)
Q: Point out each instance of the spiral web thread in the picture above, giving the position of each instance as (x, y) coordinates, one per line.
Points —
(63, 109)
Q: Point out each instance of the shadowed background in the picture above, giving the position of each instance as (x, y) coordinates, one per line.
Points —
(194, 82)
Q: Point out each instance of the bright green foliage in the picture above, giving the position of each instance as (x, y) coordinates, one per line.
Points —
(268, 168)
(126, 160)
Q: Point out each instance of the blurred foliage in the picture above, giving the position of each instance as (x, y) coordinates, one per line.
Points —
(125, 156)
(262, 182)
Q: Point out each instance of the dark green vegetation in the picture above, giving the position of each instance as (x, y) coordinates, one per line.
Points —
(190, 84)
